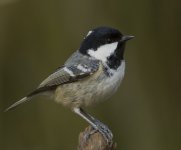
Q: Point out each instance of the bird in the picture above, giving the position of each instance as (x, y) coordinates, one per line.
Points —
(90, 75)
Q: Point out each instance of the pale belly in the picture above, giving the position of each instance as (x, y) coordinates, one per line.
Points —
(90, 90)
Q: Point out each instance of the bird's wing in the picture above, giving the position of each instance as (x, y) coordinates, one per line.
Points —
(77, 67)
(64, 75)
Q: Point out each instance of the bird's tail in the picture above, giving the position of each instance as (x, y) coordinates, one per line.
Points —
(23, 100)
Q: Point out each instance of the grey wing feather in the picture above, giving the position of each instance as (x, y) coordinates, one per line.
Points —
(74, 73)
(58, 77)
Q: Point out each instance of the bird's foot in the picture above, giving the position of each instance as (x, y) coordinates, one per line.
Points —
(104, 130)
(91, 132)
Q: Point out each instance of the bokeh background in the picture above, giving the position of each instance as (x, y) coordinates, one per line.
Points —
(37, 36)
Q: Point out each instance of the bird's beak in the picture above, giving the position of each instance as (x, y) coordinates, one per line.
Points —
(126, 38)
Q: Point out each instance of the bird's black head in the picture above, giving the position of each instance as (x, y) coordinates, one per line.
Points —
(98, 37)
(105, 44)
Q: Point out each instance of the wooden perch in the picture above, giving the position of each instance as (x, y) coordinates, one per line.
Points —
(90, 140)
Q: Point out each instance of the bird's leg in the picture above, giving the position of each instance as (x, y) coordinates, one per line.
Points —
(99, 124)
(96, 124)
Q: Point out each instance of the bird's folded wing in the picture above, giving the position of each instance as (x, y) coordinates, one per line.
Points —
(65, 75)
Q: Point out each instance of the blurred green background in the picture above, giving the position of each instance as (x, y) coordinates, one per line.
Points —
(37, 36)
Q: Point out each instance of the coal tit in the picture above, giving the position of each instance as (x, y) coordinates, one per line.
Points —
(92, 74)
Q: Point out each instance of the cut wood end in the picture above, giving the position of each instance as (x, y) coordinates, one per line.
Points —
(90, 140)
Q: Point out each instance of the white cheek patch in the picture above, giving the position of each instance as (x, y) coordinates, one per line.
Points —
(103, 51)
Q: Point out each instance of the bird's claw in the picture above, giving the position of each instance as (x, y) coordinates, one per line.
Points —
(92, 131)
(104, 130)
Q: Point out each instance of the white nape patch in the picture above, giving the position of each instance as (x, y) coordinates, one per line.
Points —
(69, 71)
(103, 51)
(82, 68)
(89, 33)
